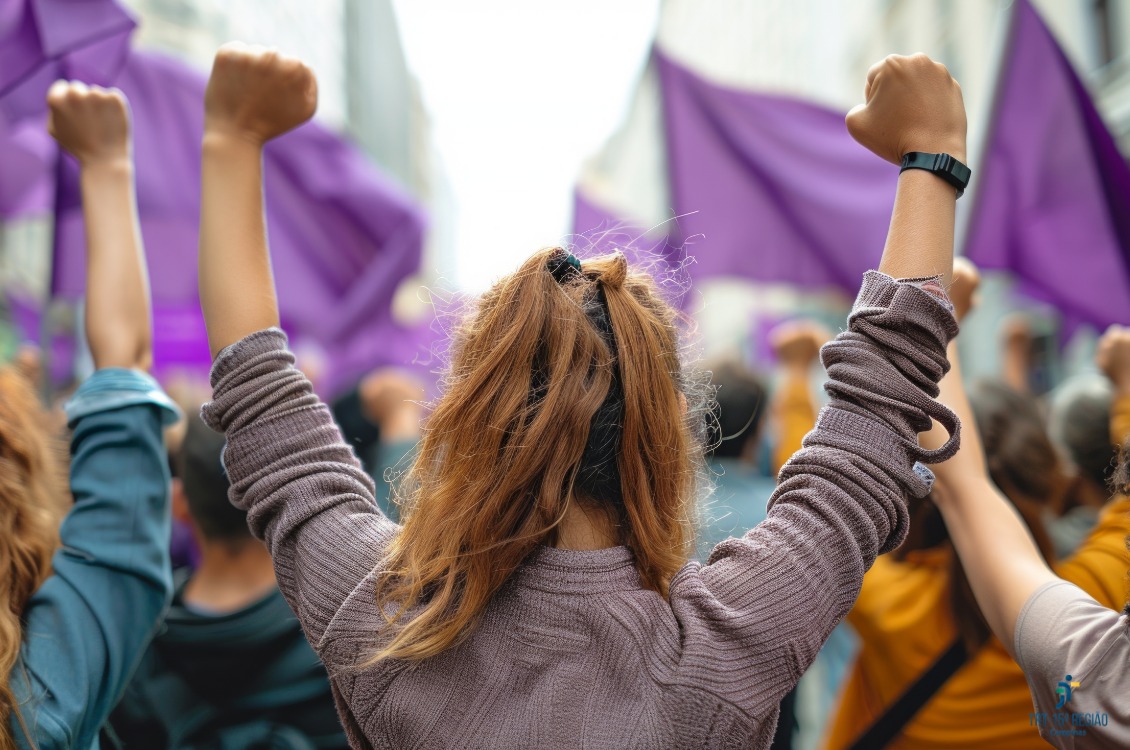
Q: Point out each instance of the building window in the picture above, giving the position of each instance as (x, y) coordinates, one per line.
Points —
(1105, 22)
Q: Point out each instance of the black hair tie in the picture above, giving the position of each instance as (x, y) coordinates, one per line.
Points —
(563, 265)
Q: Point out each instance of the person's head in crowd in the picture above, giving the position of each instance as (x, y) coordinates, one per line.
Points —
(1022, 463)
(1021, 458)
(33, 493)
(1079, 423)
(571, 373)
(200, 491)
(741, 401)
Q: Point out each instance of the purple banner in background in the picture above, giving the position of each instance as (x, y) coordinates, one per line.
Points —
(771, 188)
(342, 236)
(1053, 195)
(27, 169)
(42, 41)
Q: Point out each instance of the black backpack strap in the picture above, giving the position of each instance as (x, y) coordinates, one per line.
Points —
(891, 723)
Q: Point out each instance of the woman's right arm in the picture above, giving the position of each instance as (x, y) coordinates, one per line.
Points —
(305, 493)
(775, 595)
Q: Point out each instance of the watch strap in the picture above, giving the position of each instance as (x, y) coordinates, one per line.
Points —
(943, 165)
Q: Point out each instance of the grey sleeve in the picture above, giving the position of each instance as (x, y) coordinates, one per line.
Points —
(1075, 654)
(754, 618)
(304, 491)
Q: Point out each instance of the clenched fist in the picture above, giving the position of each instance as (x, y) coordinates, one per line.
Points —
(90, 122)
(963, 290)
(257, 94)
(797, 343)
(1113, 356)
(910, 104)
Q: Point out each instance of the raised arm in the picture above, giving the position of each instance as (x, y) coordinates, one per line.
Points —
(1001, 559)
(913, 104)
(304, 491)
(1113, 358)
(89, 623)
(93, 125)
(253, 95)
(776, 594)
(797, 346)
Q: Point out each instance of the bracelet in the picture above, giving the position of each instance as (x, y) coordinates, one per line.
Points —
(943, 165)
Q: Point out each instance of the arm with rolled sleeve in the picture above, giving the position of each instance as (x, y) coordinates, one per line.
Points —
(755, 617)
(89, 623)
(305, 493)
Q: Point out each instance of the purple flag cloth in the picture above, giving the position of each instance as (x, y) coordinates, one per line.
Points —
(771, 188)
(1053, 195)
(27, 169)
(342, 236)
(44, 40)
(600, 230)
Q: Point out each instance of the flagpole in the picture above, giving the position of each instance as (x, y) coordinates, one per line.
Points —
(1006, 39)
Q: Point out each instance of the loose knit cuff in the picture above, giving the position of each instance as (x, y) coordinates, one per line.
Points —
(116, 388)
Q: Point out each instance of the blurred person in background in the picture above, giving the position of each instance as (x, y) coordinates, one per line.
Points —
(381, 419)
(741, 490)
(928, 674)
(230, 668)
(83, 600)
(1079, 422)
(1071, 642)
(1087, 419)
(538, 593)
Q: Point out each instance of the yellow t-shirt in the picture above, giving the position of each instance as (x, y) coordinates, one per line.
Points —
(1120, 420)
(904, 622)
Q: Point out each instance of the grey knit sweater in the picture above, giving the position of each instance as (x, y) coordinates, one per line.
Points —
(572, 652)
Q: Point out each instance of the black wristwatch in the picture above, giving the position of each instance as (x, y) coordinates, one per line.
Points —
(943, 165)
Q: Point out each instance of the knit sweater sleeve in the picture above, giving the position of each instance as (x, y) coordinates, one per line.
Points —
(754, 618)
(304, 490)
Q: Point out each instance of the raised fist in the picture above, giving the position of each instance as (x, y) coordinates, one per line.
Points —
(257, 94)
(797, 343)
(90, 122)
(1113, 356)
(963, 290)
(910, 104)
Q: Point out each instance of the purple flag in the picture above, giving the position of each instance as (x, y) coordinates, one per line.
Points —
(44, 40)
(1053, 194)
(771, 188)
(342, 236)
(601, 230)
(27, 169)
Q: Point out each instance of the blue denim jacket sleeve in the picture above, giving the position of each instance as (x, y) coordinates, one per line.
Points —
(89, 623)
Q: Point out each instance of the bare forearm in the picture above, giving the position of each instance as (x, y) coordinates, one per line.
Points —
(920, 238)
(118, 326)
(237, 292)
(1001, 559)
(970, 460)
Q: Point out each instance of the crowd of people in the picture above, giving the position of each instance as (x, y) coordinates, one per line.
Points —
(585, 541)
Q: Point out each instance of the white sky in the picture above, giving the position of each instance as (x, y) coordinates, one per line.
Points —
(520, 93)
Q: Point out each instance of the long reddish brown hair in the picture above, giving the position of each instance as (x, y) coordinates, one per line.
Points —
(32, 494)
(501, 454)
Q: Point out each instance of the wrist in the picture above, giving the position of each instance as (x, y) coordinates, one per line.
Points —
(230, 140)
(109, 164)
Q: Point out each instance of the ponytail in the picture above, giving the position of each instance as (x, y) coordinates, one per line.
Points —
(564, 388)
